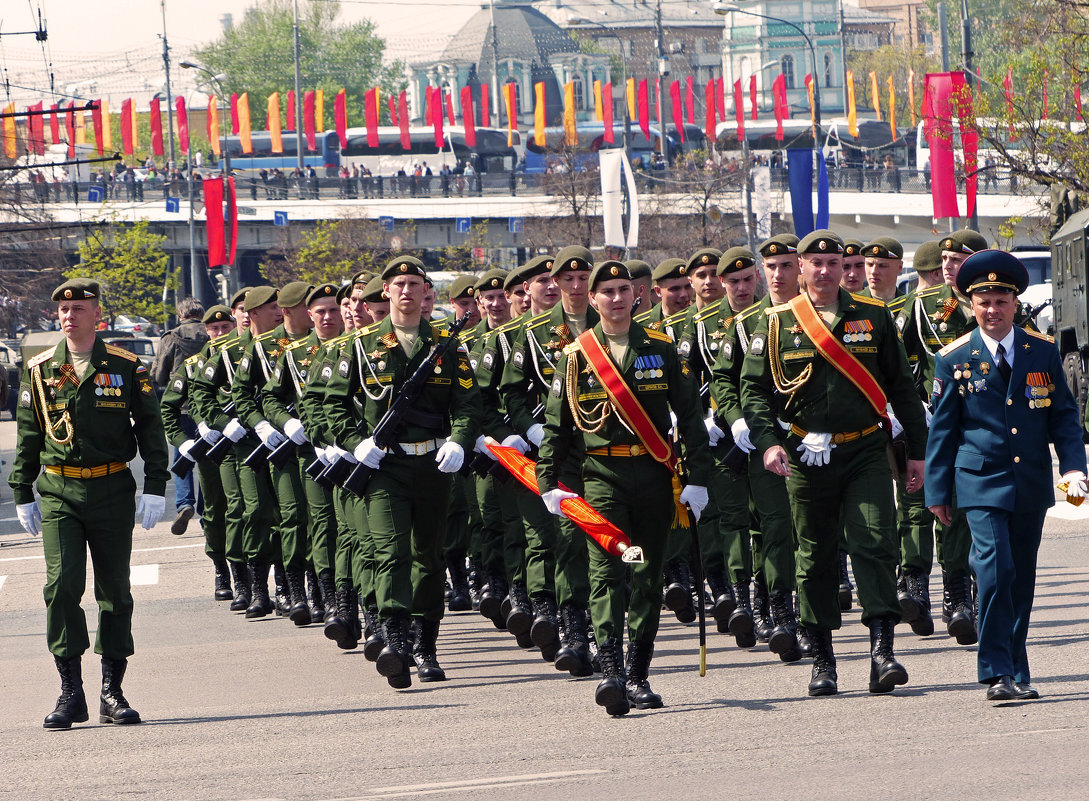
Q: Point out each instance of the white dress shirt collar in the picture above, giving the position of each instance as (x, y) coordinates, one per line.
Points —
(1006, 342)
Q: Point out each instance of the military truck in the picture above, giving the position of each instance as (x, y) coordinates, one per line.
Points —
(1069, 281)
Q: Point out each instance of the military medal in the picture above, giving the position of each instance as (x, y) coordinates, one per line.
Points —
(985, 367)
(1037, 388)
(858, 331)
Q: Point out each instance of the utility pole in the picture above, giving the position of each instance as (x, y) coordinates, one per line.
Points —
(943, 36)
(663, 71)
(970, 80)
(843, 54)
(169, 97)
(298, 95)
(495, 72)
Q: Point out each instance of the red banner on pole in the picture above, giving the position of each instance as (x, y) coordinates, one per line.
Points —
(485, 111)
(70, 129)
(752, 97)
(643, 106)
(370, 114)
(450, 117)
(709, 103)
(607, 111)
(678, 113)
(96, 121)
(156, 124)
(289, 117)
(1077, 104)
(213, 218)
(779, 101)
(436, 117)
(720, 99)
(232, 217)
(126, 126)
(468, 116)
(310, 126)
(739, 110)
(183, 124)
(969, 136)
(938, 127)
(402, 105)
(340, 116)
(689, 102)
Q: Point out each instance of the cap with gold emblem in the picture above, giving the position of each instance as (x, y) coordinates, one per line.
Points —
(573, 258)
(528, 271)
(492, 279)
(372, 290)
(294, 293)
(344, 292)
(607, 271)
(928, 257)
(464, 286)
(217, 314)
(852, 247)
(319, 292)
(240, 296)
(964, 241)
(778, 245)
(638, 269)
(821, 241)
(670, 268)
(735, 259)
(78, 289)
(404, 265)
(361, 278)
(702, 258)
(992, 270)
(259, 296)
(884, 247)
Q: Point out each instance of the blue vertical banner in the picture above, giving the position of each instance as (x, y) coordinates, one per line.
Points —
(823, 212)
(800, 174)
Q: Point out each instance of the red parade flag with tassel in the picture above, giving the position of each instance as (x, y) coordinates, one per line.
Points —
(678, 112)
(183, 124)
(232, 219)
(779, 102)
(370, 114)
(234, 114)
(54, 125)
(468, 116)
(739, 110)
(428, 100)
(289, 117)
(643, 105)
(752, 98)
(155, 121)
(689, 102)
(969, 137)
(213, 220)
(709, 104)
(1007, 87)
(402, 105)
(126, 126)
(436, 117)
(485, 111)
(607, 111)
(70, 128)
(451, 118)
(340, 116)
(245, 129)
(938, 128)
(310, 126)
(720, 99)
(96, 121)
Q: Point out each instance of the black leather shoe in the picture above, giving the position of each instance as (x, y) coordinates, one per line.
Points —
(114, 708)
(1025, 691)
(72, 704)
(1002, 689)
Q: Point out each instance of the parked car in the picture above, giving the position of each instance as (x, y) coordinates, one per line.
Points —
(9, 367)
(143, 347)
(139, 326)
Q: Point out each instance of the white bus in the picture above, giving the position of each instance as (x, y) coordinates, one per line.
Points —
(491, 153)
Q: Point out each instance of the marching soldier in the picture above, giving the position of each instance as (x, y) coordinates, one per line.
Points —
(85, 409)
(828, 364)
(854, 266)
(642, 281)
(674, 292)
(615, 388)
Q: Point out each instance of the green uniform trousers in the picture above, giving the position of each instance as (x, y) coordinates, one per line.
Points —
(611, 484)
(774, 545)
(572, 550)
(322, 519)
(915, 524)
(213, 517)
(81, 515)
(954, 543)
(463, 528)
(542, 529)
(854, 488)
(729, 491)
(503, 537)
(407, 501)
(229, 475)
(350, 566)
(259, 513)
(294, 521)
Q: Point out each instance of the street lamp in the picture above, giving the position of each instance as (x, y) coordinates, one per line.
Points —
(727, 8)
(228, 268)
(574, 19)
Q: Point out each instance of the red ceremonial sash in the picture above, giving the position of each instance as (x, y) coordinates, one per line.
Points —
(837, 355)
(624, 400)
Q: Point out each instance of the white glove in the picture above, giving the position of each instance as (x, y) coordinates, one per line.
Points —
(816, 449)
(320, 453)
(897, 428)
(714, 433)
(516, 442)
(696, 497)
(30, 518)
(740, 432)
(672, 419)
(335, 452)
(151, 508)
(553, 498)
(450, 457)
(1075, 479)
(234, 430)
(185, 447)
(535, 434)
(294, 430)
(269, 436)
(208, 434)
(368, 453)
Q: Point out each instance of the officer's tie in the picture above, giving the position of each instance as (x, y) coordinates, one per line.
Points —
(1003, 365)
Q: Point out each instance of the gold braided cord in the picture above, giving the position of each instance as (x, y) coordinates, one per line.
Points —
(785, 386)
(585, 421)
(65, 421)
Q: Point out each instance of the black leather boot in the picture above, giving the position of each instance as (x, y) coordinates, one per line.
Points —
(492, 596)
(845, 585)
(316, 595)
(281, 593)
(242, 583)
(544, 632)
(723, 602)
(351, 610)
(393, 660)
(909, 610)
(424, 650)
(460, 598)
(375, 636)
(476, 583)
(918, 587)
(740, 623)
(761, 611)
(783, 639)
(962, 617)
(72, 703)
(824, 678)
(261, 604)
(574, 653)
(885, 671)
(338, 627)
(520, 617)
(327, 587)
(638, 688)
(299, 613)
(612, 693)
(223, 579)
(113, 707)
(678, 592)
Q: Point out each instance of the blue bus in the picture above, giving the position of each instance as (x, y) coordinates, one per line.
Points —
(592, 139)
(325, 159)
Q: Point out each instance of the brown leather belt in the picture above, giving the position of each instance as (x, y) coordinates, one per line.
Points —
(840, 439)
(70, 471)
(618, 450)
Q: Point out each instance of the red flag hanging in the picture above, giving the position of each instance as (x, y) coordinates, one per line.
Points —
(643, 105)
(485, 112)
(340, 116)
(938, 126)
(709, 105)
(232, 218)
(155, 120)
(436, 117)
(35, 126)
(402, 103)
(54, 125)
(689, 102)
(126, 126)
(310, 125)
(450, 116)
(468, 116)
(1077, 104)
(510, 96)
(739, 110)
(183, 124)
(752, 97)
(969, 136)
(96, 121)
(213, 220)
(70, 126)
(289, 117)
(370, 113)
(234, 114)
(720, 99)
(782, 111)
(607, 111)
(678, 112)
(428, 102)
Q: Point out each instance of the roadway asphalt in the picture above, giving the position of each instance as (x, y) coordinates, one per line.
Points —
(238, 709)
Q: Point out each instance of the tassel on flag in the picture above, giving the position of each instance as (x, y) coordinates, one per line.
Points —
(126, 126)
(570, 132)
(468, 116)
(739, 110)
(607, 111)
(709, 105)
(370, 114)
(510, 95)
(678, 112)
(875, 95)
(96, 121)
(310, 124)
(599, 112)
(275, 131)
(183, 123)
(234, 114)
(689, 102)
(340, 116)
(289, 118)
(402, 120)
(539, 137)
(644, 109)
(245, 132)
(155, 121)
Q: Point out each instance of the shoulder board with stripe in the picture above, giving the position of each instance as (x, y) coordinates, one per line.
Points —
(367, 329)
(44, 356)
(658, 335)
(540, 319)
(266, 336)
(1038, 335)
(747, 313)
(782, 307)
(194, 359)
(956, 343)
(673, 319)
(709, 312)
(298, 343)
(572, 348)
(225, 339)
(113, 350)
(512, 325)
(930, 290)
(867, 300)
(897, 303)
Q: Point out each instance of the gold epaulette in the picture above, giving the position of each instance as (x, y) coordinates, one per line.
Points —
(574, 346)
(1038, 335)
(930, 290)
(113, 350)
(710, 311)
(676, 317)
(541, 318)
(747, 313)
(869, 300)
(194, 359)
(897, 303)
(298, 343)
(511, 325)
(42, 357)
(222, 339)
(782, 307)
(265, 336)
(660, 336)
(956, 343)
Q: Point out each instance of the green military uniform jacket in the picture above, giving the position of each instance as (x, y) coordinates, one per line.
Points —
(210, 387)
(371, 371)
(659, 380)
(488, 358)
(111, 413)
(176, 396)
(726, 372)
(312, 405)
(826, 401)
(255, 370)
(700, 342)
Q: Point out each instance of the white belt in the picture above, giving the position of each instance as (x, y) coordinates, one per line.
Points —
(421, 448)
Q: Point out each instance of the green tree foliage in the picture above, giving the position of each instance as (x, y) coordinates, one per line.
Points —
(131, 265)
(462, 257)
(897, 61)
(257, 56)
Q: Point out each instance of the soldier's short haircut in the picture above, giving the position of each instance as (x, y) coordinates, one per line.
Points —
(189, 308)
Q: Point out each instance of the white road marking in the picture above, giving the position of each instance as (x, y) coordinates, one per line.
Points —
(142, 575)
(2, 580)
(135, 550)
(473, 784)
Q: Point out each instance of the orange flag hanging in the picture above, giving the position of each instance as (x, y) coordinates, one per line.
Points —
(319, 109)
(510, 96)
(852, 111)
(629, 91)
(81, 127)
(875, 95)
(892, 107)
(244, 122)
(11, 148)
(911, 97)
(275, 131)
(213, 124)
(570, 132)
(107, 129)
(599, 112)
(539, 137)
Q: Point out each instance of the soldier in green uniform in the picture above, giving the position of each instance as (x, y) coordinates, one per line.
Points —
(408, 493)
(618, 468)
(674, 293)
(642, 283)
(827, 364)
(854, 266)
(217, 321)
(517, 296)
(84, 410)
(529, 373)
(462, 295)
